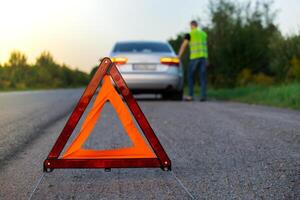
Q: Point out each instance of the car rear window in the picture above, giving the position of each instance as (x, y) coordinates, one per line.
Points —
(142, 47)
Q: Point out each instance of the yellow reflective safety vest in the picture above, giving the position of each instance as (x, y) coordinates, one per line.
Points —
(198, 44)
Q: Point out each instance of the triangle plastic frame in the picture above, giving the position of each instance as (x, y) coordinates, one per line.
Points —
(53, 161)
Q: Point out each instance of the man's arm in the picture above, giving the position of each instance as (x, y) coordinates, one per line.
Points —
(183, 47)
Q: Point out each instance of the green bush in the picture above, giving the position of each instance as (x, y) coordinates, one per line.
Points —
(282, 52)
(294, 70)
(245, 77)
(262, 79)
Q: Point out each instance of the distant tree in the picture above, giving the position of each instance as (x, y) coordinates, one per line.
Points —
(239, 38)
(283, 51)
(45, 73)
(45, 60)
(48, 72)
(18, 70)
(93, 71)
(81, 77)
(67, 76)
(17, 59)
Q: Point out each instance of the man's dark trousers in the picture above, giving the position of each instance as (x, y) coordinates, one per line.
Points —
(193, 65)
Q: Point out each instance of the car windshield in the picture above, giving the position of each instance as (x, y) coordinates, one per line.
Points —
(142, 47)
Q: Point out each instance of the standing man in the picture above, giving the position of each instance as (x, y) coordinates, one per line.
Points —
(197, 40)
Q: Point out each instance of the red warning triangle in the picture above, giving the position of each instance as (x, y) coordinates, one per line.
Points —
(137, 155)
(139, 149)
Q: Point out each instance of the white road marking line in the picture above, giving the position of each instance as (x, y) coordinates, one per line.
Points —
(38, 183)
(180, 183)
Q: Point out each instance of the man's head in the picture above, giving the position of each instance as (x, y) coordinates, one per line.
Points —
(194, 24)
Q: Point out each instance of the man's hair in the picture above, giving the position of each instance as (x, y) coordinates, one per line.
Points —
(194, 23)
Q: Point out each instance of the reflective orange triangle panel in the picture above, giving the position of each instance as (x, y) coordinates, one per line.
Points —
(139, 149)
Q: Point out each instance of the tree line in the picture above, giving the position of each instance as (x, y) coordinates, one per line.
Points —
(246, 46)
(44, 73)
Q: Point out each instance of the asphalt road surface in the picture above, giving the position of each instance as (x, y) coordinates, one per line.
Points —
(218, 150)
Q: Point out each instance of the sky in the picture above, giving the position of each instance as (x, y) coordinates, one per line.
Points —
(79, 32)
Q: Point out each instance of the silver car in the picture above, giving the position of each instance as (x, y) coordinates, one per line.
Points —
(149, 67)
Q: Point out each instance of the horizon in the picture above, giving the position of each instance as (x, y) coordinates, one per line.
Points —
(78, 33)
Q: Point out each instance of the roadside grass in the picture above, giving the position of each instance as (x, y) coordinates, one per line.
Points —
(286, 95)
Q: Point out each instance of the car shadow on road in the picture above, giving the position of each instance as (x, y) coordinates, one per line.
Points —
(148, 97)
(152, 98)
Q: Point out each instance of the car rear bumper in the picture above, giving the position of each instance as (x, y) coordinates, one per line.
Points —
(153, 81)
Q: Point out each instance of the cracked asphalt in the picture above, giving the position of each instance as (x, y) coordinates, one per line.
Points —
(219, 150)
